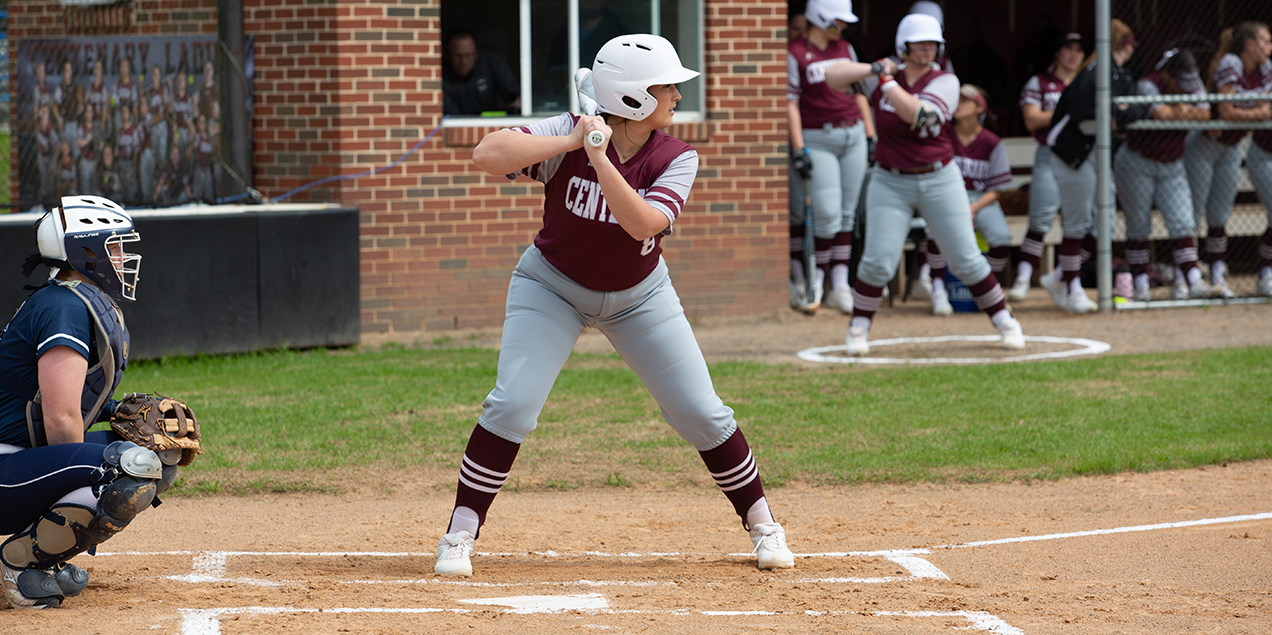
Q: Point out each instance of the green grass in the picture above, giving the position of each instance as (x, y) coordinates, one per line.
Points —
(277, 421)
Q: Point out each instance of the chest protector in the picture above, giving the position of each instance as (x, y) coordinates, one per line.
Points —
(111, 338)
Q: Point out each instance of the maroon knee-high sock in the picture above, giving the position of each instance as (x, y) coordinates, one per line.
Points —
(1071, 258)
(1137, 256)
(733, 468)
(1184, 251)
(487, 461)
(1265, 249)
(998, 258)
(1217, 244)
(936, 260)
(841, 249)
(1089, 247)
(822, 246)
(989, 295)
(866, 299)
(1031, 248)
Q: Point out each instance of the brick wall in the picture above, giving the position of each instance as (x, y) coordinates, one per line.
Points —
(343, 87)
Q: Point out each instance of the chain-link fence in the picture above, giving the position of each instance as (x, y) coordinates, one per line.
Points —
(1192, 150)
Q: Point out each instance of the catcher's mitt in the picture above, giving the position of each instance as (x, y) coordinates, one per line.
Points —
(159, 423)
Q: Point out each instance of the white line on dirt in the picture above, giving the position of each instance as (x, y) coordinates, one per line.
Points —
(1086, 347)
(1115, 530)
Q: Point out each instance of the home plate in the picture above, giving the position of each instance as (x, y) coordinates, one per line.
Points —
(546, 603)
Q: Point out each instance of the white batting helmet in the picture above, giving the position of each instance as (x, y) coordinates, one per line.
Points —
(627, 66)
(823, 13)
(919, 27)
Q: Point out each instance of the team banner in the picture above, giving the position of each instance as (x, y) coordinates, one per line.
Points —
(134, 119)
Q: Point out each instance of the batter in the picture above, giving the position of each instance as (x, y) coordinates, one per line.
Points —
(597, 263)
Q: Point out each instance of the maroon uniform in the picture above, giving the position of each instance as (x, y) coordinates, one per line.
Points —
(983, 163)
(182, 108)
(1042, 90)
(1163, 146)
(128, 142)
(819, 104)
(901, 147)
(98, 99)
(579, 236)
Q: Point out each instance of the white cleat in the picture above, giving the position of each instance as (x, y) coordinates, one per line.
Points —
(923, 290)
(810, 306)
(1019, 290)
(1179, 289)
(1058, 290)
(454, 555)
(1013, 335)
(1142, 294)
(1220, 290)
(797, 293)
(1080, 303)
(857, 344)
(941, 306)
(770, 546)
(1264, 286)
(31, 588)
(840, 299)
(1201, 290)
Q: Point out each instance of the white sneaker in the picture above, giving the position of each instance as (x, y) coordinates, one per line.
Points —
(31, 589)
(797, 293)
(1142, 294)
(1019, 290)
(923, 290)
(770, 546)
(941, 303)
(841, 299)
(1080, 303)
(1013, 335)
(810, 307)
(857, 344)
(1220, 290)
(1201, 290)
(1179, 289)
(454, 555)
(1058, 290)
(1264, 286)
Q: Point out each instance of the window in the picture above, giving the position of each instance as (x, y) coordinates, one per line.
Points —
(536, 45)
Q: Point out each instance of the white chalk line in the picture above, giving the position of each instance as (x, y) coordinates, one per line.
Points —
(208, 621)
(1115, 530)
(1088, 347)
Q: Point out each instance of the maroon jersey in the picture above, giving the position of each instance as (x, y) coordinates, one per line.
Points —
(819, 104)
(208, 97)
(1262, 138)
(579, 236)
(42, 97)
(1163, 146)
(900, 146)
(89, 151)
(203, 150)
(126, 94)
(983, 163)
(1042, 90)
(158, 101)
(98, 99)
(183, 107)
(128, 142)
(46, 139)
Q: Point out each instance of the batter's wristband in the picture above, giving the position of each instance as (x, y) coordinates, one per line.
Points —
(889, 84)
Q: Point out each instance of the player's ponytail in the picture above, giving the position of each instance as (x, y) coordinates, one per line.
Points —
(1223, 48)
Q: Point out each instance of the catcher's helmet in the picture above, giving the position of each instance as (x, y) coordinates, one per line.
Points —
(81, 234)
(627, 66)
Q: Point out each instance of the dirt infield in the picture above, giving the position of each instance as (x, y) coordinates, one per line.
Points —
(1167, 552)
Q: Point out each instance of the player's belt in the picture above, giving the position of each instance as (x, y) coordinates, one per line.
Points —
(842, 123)
(919, 169)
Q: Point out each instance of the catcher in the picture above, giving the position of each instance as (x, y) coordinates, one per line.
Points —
(65, 490)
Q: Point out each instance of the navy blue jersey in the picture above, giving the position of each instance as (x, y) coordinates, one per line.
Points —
(52, 316)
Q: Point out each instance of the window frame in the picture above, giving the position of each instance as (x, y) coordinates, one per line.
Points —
(523, 69)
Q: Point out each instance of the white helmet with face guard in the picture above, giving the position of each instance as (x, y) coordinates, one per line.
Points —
(919, 27)
(88, 234)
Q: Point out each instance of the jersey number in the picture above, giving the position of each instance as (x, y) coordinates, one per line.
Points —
(647, 246)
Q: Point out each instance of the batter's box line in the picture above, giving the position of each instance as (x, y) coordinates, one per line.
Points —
(1115, 530)
(208, 621)
(210, 566)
